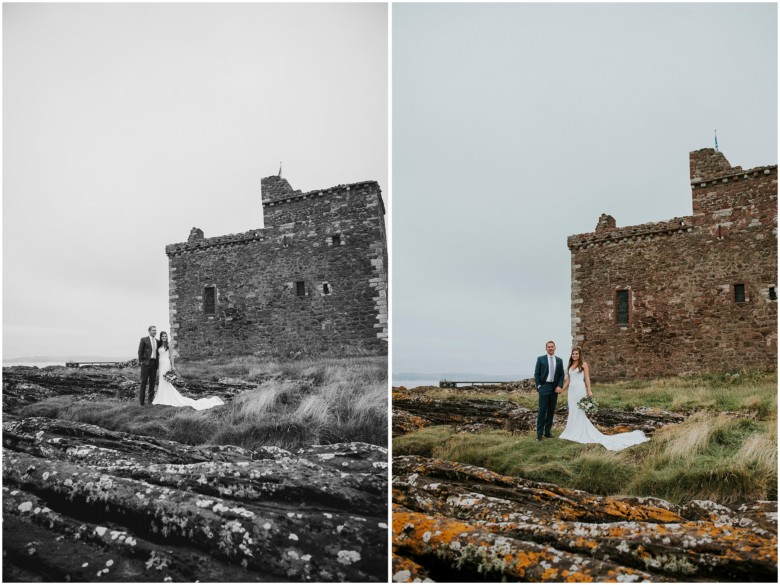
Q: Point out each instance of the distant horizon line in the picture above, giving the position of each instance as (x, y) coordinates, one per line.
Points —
(440, 375)
(56, 358)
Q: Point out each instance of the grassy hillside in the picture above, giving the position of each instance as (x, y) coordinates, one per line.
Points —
(295, 403)
(726, 450)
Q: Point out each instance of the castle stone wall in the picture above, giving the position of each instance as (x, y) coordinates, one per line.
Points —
(684, 279)
(312, 282)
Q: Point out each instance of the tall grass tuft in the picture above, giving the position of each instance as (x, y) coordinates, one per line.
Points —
(688, 439)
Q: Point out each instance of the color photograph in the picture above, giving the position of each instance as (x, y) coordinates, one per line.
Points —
(584, 292)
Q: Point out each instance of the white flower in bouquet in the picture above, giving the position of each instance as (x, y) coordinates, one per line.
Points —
(175, 380)
(588, 405)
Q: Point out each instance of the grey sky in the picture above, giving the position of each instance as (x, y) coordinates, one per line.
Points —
(517, 125)
(125, 125)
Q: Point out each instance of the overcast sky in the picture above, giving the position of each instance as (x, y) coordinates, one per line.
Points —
(125, 125)
(517, 125)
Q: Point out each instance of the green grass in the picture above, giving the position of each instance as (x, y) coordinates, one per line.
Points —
(294, 404)
(727, 458)
(751, 392)
(255, 369)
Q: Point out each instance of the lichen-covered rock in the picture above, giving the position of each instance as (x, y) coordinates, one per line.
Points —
(466, 491)
(26, 385)
(482, 412)
(405, 422)
(413, 410)
(23, 385)
(467, 515)
(93, 504)
(407, 571)
(480, 555)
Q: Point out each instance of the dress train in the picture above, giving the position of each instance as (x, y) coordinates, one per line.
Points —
(580, 430)
(168, 395)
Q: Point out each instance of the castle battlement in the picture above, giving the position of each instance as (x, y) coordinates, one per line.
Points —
(195, 244)
(678, 225)
(283, 205)
(735, 175)
(275, 193)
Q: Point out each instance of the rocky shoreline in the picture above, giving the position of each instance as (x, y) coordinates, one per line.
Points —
(455, 522)
(83, 503)
(413, 410)
(462, 523)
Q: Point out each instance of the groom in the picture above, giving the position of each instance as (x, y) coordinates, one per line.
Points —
(147, 358)
(548, 376)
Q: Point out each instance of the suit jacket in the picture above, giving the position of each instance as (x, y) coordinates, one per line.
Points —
(145, 351)
(543, 368)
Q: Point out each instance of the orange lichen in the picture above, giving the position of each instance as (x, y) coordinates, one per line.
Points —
(578, 577)
(550, 574)
(513, 528)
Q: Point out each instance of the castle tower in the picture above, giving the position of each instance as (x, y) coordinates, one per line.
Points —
(312, 282)
(691, 294)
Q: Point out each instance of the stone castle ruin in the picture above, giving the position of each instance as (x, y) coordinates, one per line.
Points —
(312, 282)
(692, 294)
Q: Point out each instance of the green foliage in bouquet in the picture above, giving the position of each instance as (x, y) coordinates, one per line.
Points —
(588, 405)
(175, 380)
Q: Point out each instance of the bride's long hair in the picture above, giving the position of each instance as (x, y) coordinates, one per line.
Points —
(579, 359)
(164, 343)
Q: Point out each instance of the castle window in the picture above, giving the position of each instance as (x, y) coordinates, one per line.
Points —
(772, 293)
(300, 288)
(325, 288)
(739, 293)
(336, 240)
(210, 300)
(623, 307)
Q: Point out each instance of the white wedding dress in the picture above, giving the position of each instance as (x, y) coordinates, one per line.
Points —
(168, 395)
(580, 430)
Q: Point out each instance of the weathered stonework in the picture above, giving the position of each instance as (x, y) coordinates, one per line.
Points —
(699, 292)
(313, 281)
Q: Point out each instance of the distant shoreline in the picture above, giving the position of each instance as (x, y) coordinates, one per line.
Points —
(44, 361)
(30, 363)
(414, 381)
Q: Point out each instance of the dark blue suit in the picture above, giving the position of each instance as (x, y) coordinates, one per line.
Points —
(548, 399)
(147, 359)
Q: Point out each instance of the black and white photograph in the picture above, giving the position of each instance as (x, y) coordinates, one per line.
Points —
(584, 292)
(195, 292)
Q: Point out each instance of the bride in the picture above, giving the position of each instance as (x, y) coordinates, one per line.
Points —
(166, 393)
(578, 428)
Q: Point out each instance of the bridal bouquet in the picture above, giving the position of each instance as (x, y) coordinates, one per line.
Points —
(175, 380)
(588, 405)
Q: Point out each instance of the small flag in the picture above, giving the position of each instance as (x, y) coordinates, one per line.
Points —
(716, 142)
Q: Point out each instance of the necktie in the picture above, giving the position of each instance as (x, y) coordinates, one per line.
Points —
(551, 377)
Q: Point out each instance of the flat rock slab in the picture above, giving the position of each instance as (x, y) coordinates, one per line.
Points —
(458, 522)
(417, 411)
(23, 385)
(81, 503)
(413, 411)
